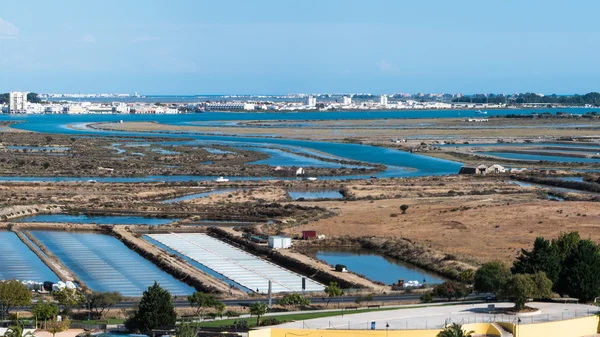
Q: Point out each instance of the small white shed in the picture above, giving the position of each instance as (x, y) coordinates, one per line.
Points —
(277, 242)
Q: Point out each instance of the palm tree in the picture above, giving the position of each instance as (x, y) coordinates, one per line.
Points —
(455, 330)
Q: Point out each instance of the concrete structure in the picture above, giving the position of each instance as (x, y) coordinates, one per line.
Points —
(235, 264)
(346, 100)
(229, 106)
(311, 101)
(279, 242)
(17, 102)
(383, 100)
(495, 168)
(477, 169)
(482, 169)
(553, 320)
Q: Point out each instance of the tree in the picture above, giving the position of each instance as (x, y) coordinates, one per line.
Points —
(565, 243)
(467, 276)
(69, 298)
(293, 300)
(16, 331)
(332, 290)
(188, 329)
(520, 288)
(154, 311)
(258, 309)
(455, 330)
(101, 302)
(44, 311)
(544, 257)
(491, 277)
(58, 326)
(13, 294)
(579, 274)
(203, 301)
(33, 98)
(450, 290)
(403, 208)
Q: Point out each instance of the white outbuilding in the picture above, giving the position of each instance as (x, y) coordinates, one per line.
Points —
(277, 242)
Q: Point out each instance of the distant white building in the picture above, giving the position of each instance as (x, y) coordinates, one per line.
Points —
(311, 101)
(383, 100)
(280, 242)
(229, 106)
(347, 100)
(17, 102)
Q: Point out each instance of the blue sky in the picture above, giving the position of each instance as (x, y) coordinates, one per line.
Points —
(288, 46)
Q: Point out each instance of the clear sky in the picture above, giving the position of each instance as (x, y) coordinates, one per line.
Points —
(289, 46)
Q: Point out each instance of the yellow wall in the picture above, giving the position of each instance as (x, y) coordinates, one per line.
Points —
(508, 326)
(342, 333)
(482, 329)
(578, 327)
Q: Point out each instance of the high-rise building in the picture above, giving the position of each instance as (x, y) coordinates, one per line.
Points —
(383, 100)
(17, 102)
(347, 100)
(311, 101)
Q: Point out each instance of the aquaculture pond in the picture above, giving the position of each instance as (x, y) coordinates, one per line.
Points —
(104, 263)
(374, 266)
(539, 157)
(315, 194)
(92, 219)
(17, 261)
(197, 265)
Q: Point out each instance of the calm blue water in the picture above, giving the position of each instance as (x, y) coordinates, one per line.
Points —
(200, 195)
(310, 195)
(576, 179)
(198, 265)
(106, 264)
(523, 156)
(100, 220)
(565, 145)
(414, 164)
(216, 151)
(17, 261)
(376, 267)
(283, 158)
(164, 151)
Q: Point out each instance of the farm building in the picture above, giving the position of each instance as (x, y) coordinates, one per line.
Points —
(309, 234)
(276, 242)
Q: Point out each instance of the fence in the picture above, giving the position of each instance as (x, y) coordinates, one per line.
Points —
(422, 323)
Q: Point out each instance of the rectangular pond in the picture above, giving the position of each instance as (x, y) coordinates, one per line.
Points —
(106, 264)
(93, 219)
(539, 157)
(375, 267)
(315, 194)
(17, 261)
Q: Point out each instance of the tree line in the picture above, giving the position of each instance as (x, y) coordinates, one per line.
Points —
(31, 97)
(591, 98)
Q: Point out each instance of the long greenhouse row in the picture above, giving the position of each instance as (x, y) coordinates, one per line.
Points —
(235, 264)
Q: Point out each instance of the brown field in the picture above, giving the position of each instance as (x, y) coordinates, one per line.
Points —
(474, 227)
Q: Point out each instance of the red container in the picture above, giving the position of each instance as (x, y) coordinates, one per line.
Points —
(307, 235)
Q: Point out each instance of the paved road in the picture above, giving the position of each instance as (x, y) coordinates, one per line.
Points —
(316, 300)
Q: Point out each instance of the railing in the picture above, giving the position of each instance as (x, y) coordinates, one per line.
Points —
(418, 324)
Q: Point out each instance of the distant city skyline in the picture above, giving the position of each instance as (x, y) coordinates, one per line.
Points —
(268, 47)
